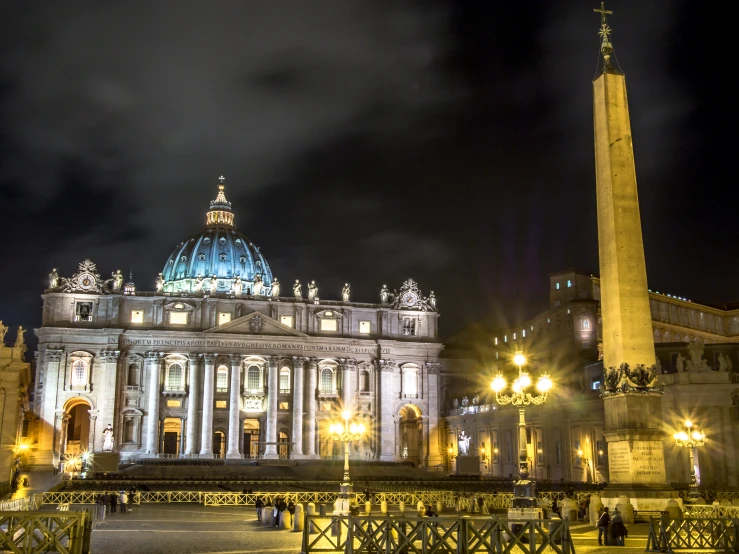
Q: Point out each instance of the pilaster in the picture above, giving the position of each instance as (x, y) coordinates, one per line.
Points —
(191, 444)
(154, 361)
(270, 452)
(311, 405)
(206, 434)
(234, 406)
(297, 433)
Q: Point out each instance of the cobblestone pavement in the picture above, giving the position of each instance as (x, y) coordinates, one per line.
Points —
(190, 529)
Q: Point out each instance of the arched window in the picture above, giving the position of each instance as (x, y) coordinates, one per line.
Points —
(129, 429)
(410, 382)
(327, 381)
(285, 379)
(222, 379)
(79, 373)
(364, 382)
(175, 377)
(133, 375)
(252, 377)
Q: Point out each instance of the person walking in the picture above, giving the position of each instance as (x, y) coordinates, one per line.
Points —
(618, 529)
(123, 501)
(291, 512)
(259, 505)
(113, 501)
(603, 522)
(281, 509)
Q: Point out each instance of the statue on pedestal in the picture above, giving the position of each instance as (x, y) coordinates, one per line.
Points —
(213, 284)
(312, 290)
(680, 363)
(384, 294)
(722, 365)
(275, 287)
(696, 361)
(160, 283)
(53, 279)
(432, 300)
(238, 286)
(464, 444)
(198, 284)
(19, 340)
(298, 290)
(345, 293)
(117, 280)
(456, 403)
(108, 439)
(258, 284)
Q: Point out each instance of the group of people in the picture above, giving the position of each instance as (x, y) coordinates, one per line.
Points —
(282, 511)
(113, 500)
(613, 526)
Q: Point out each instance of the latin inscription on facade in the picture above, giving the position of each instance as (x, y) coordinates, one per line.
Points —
(636, 462)
(201, 343)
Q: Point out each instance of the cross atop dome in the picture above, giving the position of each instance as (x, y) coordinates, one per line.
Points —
(220, 208)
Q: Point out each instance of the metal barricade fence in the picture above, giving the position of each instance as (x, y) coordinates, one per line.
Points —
(97, 513)
(424, 535)
(45, 532)
(667, 535)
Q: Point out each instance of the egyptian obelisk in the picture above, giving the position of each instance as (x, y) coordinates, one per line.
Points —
(632, 401)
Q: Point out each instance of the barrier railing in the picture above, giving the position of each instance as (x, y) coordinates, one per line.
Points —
(426, 535)
(704, 511)
(83, 497)
(666, 535)
(29, 503)
(37, 532)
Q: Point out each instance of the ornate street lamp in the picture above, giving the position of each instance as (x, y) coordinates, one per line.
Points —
(521, 398)
(691, 439)
(346, 433)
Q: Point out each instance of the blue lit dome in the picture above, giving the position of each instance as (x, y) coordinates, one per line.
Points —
(220, 250)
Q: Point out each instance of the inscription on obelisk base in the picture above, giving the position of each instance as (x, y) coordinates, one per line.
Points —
(638, 462)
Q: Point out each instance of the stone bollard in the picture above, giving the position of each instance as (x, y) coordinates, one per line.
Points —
(596, 506)
(298, 518)
(282, 521)
(383, 506)
(735, 502)
(401, 507)
(673, 509)
(626, 509)
(311, 510)
(439, 507)
(368, 508)
(725, 502)
(268, 516)
(322, 510)
(569, 509)
(420, 508)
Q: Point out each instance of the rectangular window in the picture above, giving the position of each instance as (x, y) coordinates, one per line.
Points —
(364, 327)
(221, 403)
(558, 452)
(409, 326)
(578, 455)
(496, 341)
(540, 453)
(174, 403)
(222, 380)
(496, 355)
(83, 311)
(137, 316)
(328, 324)
(595, 385)
(283, 406)
(585, 324)
(528, 436)
(569, 283)
(523, 333)
(514, 336)
(223, 317)
(326, 406)
(601, 452)
(178, 318)
(556, 286)
(505, 338)
(286, 320)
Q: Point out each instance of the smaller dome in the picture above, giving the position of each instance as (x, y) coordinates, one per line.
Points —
(129, 289)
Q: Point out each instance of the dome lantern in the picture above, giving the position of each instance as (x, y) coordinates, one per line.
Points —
(220, 209)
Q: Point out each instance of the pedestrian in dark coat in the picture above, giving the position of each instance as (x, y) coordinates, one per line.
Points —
(603, 522)
(259, 505)
(618, 529)
(113, 501)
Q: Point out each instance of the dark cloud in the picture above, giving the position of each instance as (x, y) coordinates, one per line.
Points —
(362, 141)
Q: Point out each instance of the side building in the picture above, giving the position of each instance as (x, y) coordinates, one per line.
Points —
(697, 351)
(218, 361)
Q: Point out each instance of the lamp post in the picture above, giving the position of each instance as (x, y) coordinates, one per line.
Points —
(345, 433)
(519, 397)
(691, 439)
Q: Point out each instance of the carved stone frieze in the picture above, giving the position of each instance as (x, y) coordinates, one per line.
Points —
(210, 358)
(54, 355)
(640, 380)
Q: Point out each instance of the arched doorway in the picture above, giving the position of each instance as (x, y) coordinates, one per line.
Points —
(219, 444)
(171, 438)
(411, 435)
(251, 438)
(76, 436)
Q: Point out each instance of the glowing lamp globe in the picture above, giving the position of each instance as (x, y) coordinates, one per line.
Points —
(360, 429)
(498, 383)
(524, 380)
(519, 359)
(697, 436)
(544, 384)
(516, 385)
(688, 423)
(347, 414)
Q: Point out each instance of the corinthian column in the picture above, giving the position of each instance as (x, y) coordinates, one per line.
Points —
(271, 450)
(206, 434)
(298, 362)
(234, 406)
(311, 416)
(347, 368)
(154, 359)
(191, 444)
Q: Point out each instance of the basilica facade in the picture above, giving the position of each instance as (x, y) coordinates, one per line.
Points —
(221, 361)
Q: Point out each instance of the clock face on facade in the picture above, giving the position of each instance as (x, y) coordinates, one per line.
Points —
(410, 299)
(85, 281)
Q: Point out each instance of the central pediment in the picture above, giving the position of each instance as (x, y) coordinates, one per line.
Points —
(256, 323)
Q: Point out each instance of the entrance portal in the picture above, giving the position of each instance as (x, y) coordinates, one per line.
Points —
(171, 439)
(283, 449)
(219, 444)
(411, 435)
(78, 430)
(251, 438)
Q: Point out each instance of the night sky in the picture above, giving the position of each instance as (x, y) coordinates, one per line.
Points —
(361, 141)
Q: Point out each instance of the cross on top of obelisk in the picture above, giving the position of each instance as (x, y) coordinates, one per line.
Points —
(603, 12)
(605, 32)
(221, 179)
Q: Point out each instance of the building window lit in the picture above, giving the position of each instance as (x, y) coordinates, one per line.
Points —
(496, 341)
(410, 382)
(578, 457)
(514, 336)
(223, 317)
(286, 320)
(285, 380)
(505, 338)
(585, 324)
(137, 316)
(409, 326)
(595, 384)
(83, 311)
(523, 333)
(327, 381)
(283, 406)
(79, 374)
(174, 403)
(601, 452)
(496, 355)
(221, 404)
(175, 377)
(178, 318)
(569, 283)
(252, 378)
(222, 379)
(328, 324)
(556, 286)
(364, 327)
